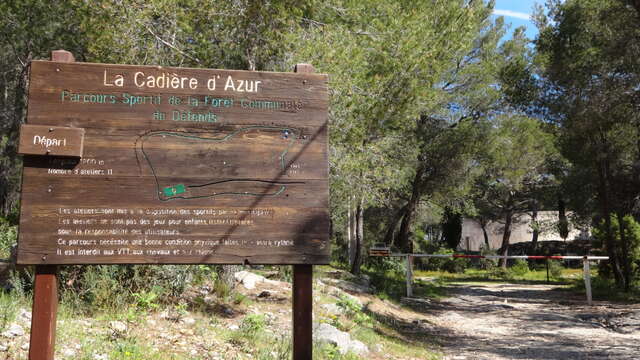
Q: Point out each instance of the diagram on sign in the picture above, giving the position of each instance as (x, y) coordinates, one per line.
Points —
(199, 164)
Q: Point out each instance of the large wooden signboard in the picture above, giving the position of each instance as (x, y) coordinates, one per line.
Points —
(174, 165)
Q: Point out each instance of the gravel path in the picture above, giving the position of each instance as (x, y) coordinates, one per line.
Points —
(508, 321)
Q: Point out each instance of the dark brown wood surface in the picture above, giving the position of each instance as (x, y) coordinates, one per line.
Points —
(50, 141)
(177, 175)
(302, 302)
(45, 308)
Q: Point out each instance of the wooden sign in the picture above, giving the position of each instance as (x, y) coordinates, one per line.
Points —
(176, 166)
(50, 140)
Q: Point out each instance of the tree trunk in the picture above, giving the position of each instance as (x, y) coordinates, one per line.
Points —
(483, 225)
(226, 275)
(504, 249)
(357, 260)
(606, 213)
(391, 228)
(626, 266)
(403, 235)
(534, 223)
(350, 249)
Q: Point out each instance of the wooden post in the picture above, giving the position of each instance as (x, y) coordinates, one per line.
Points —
(43, 319)
(587, 278)
(45, 291)
(303, 293)
(409, 276)
(302, 312)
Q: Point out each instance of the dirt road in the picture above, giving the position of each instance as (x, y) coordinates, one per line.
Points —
(507, 321)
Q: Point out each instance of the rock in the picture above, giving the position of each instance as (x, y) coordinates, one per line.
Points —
(24, 315)
(226, 310)
(69, 353)
(4, 347)
(379, 347)
(100, 357)
(188, 321)
(417, 302)
(13, 331)
(264, 294)
(325, 333)
(25, 346)
(118, 327)
(332, 309)
(350, 286)
(233, 327)
(249, 280)
(187, 332)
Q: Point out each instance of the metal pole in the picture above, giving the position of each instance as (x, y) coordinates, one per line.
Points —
(409, 276)
(587, 279)
(43, 319)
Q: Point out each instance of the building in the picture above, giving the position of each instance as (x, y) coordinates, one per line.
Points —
(472, 238)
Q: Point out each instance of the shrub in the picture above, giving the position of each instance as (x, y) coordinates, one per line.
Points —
(500, 273)
(519, 268)
(486, 264)
(632, 236)
(555, 269)
(8, 238)
(448, 264)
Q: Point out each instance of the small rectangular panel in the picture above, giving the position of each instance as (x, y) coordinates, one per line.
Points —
(179, 166)
(51, 140)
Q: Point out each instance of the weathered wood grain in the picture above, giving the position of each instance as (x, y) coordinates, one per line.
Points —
(50, 141)
(248, 182)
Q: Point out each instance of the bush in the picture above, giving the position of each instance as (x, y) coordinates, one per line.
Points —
(486, 264)
(8, 238)
(555, 269)
(116, 286)
(632, 235)
(500, 273)
(448, 264)
(519, 268)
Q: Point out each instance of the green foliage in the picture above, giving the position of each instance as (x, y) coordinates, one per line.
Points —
(588, 55)
(555, 269)
(486, 264)
(331, 352)
(253, 324)
(251, 328)
(9, 304)
(8, 238)
(116, 286)
(448, 264)
(632, 236)
(146, 300)
(519, 268)
(353, 310)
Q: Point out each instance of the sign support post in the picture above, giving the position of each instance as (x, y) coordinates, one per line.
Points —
(302, 294)
(45, 292)
(43, 319)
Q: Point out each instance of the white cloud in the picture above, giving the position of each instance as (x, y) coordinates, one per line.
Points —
(515, 14)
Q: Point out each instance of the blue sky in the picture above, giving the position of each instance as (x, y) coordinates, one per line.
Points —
(517, 12)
